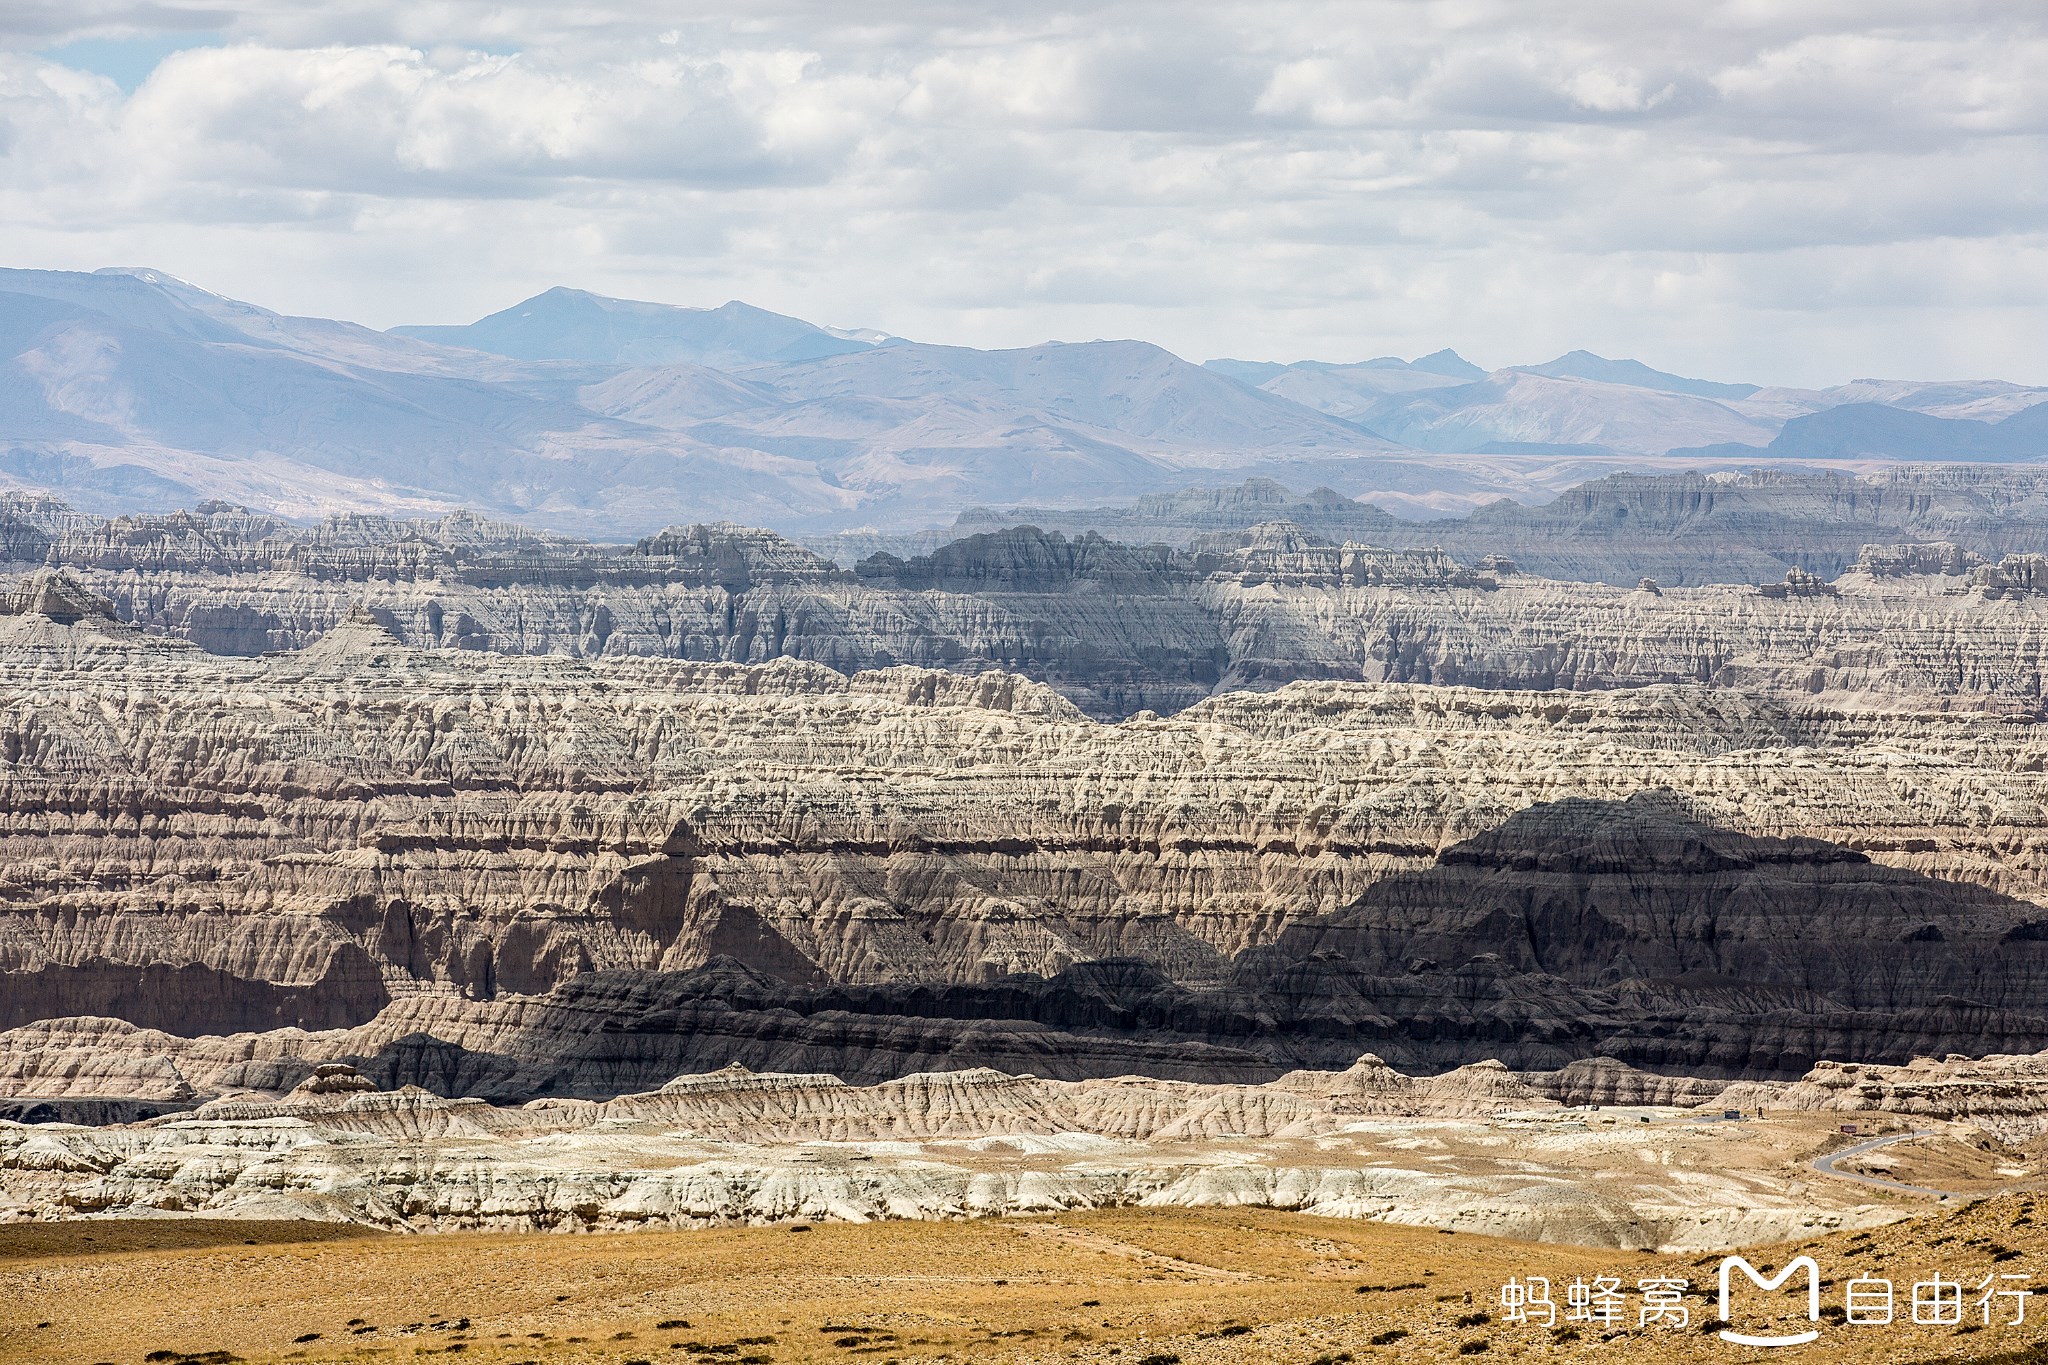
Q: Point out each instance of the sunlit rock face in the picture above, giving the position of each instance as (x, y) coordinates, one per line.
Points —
(737, 1146)
(1116, 628)
(514, 874)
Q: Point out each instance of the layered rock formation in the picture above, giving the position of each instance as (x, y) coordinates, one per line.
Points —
(509, 875)
(1634, 930)
(2005, 1095)
(735, 1146)
(1118, 629)
(1684, 528)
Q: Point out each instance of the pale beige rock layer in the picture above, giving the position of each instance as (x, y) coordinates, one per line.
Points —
(362, 822)
(1473, 1150)
(1117, 628)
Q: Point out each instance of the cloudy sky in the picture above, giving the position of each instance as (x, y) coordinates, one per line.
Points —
(1742, 189)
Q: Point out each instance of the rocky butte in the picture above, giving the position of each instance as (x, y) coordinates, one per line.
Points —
(1939, 595)
(551, 875)
(453, 829)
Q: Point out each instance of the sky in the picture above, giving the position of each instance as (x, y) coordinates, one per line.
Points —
(1761, 190)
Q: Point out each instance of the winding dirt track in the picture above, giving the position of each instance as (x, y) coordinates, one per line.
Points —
(1826, 1166)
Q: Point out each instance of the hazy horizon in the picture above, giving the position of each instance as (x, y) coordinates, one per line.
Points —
(1740, 193)
(1485, 362)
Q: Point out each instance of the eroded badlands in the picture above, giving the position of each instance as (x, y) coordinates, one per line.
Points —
(1478, 1149)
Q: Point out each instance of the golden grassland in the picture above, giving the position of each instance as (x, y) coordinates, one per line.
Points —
(1133, 1287)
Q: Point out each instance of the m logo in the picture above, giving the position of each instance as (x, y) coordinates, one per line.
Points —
(1756, 1278)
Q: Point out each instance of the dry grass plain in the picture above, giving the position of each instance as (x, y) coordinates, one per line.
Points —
(1205, 1287)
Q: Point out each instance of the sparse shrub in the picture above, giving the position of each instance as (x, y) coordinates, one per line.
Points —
(303, 1339)
(1561, 1335)
(1235, 1329)
(1474, 1319)
(1388, 1337)
(1159, 1358)
(1712, 1325)
(671, 1324)
(1091, 1303)
(1475, 1348)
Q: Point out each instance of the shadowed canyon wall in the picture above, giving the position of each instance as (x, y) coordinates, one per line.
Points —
(513, 874)
(1116, 628)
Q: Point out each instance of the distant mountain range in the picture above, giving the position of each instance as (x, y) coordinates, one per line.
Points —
(128, 389)
(568, 324)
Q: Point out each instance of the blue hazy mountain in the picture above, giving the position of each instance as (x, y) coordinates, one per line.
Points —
(1582, 404)
(1636, 375)
(128, 389)
(1876, 431)
(569, 324)
(1444, 364)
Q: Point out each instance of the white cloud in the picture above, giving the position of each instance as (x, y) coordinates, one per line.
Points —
(391, 121)
(1735, 187)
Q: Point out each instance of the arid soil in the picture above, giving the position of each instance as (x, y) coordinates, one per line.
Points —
(1204, 1287)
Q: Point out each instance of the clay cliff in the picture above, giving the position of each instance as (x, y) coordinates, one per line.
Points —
(1686, 528)
(736, 1146)
(1478, 1149)
(1118, 629)
(505, 874)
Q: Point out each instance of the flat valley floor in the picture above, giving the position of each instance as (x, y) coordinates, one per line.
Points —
(1130, 1287)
